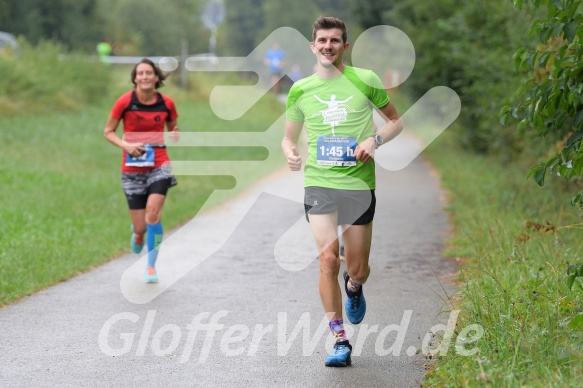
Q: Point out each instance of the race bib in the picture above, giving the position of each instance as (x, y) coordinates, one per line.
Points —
(146, 160)
(336, 151)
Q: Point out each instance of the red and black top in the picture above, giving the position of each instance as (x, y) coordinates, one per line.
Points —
(144, 124)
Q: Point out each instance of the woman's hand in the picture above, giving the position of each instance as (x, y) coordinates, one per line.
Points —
(134, 149)
(174, 134)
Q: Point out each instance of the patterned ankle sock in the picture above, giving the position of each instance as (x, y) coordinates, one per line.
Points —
(337, 329)
(353, 286)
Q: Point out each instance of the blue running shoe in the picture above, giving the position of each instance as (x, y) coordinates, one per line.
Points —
(136, 242)
(355, 304)
(340, 355)
(151, 275)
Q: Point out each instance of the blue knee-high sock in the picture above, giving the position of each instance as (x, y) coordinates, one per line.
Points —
(153, 239)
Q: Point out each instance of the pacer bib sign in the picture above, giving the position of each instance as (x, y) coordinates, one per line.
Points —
(336, 151)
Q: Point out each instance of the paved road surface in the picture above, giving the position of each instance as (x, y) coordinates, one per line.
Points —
(250, 314)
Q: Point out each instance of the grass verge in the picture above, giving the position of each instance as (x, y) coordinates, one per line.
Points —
(517, 241)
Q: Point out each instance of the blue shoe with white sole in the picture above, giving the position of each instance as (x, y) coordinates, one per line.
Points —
(340, 355)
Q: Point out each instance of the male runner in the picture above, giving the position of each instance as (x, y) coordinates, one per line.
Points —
(336, 105)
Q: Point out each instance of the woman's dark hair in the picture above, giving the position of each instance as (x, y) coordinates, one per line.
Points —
(157, 71)
(328, 23)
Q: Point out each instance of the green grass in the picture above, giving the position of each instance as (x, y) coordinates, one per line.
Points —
(37, 80)
(516, 241)
(63, 210)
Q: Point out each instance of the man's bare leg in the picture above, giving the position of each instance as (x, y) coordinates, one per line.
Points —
(357, 241)
(325, 230)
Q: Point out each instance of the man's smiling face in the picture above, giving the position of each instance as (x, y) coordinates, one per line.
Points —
(329, 47)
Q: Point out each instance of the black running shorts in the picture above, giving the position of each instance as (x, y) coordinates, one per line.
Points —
(354, 207)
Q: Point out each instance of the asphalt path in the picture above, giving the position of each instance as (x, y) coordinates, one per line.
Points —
(249, 314)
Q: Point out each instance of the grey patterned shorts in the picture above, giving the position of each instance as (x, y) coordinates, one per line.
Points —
(138, 185)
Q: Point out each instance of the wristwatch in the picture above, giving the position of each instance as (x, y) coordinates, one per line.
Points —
(378, 139)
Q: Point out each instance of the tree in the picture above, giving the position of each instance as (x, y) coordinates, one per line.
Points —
(74, 24)
(243, 22)
(550, 101)
(342, 9)
(296, 15)
(465, 46)
(151, 27)
(370, 13)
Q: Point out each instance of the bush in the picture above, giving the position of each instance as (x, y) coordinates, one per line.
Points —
(469, 49)
(41, 79)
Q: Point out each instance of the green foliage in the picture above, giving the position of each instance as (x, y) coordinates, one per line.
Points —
(296, 15)
(575, 276)
(550, 101)
(151, 27)
(38, 79)
(465, 45)
(135, 27)
(244, 21)
(370, 13)
(249, 22)
(518, 243)
(74, 24)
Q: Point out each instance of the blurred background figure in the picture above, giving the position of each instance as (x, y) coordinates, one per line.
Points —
(7, 42)
(104, 50)
(274, 60)
(296, 73)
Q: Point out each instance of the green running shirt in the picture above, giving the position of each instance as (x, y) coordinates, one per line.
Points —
(340, 106)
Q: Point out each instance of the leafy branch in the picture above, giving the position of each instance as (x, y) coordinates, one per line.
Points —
(550, 100)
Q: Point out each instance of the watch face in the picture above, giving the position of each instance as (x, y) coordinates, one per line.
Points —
(378, 139)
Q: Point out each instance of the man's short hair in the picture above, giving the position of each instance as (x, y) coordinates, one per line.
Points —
(328, 23)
